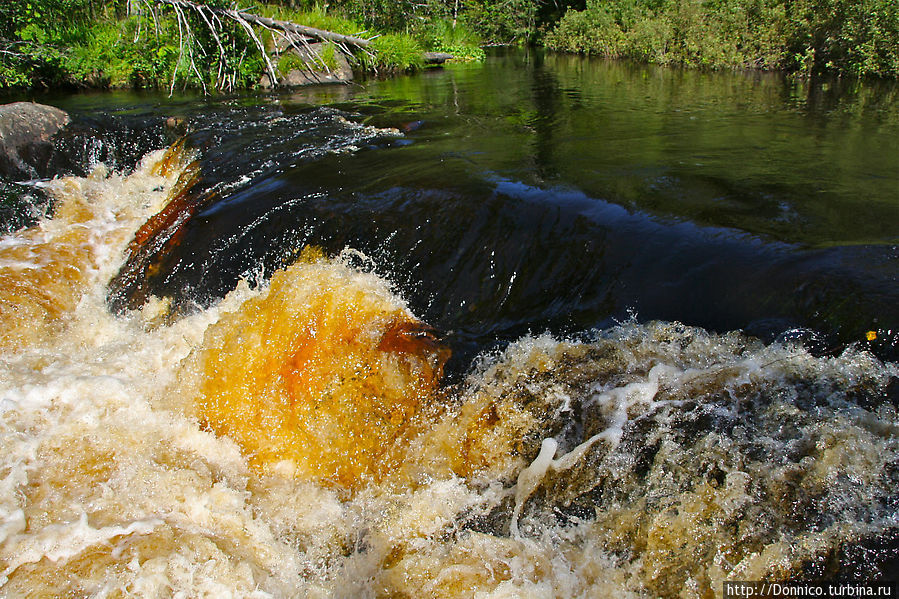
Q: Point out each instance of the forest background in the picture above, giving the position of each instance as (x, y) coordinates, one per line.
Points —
(150, 44)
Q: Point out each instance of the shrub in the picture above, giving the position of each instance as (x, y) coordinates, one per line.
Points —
(439, 35)
(394, 52)
(509, 22)
(858, 37)
(586, 32)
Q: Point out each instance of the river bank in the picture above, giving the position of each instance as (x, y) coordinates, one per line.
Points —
(806, 37)
(179, 44)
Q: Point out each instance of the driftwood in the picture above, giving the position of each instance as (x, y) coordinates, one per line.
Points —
(239, 15)
(320, 34)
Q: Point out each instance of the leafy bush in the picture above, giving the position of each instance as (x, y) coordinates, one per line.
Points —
(393, 52)
(508, 22)
(593, 31)
(439, 35)
(849, 36)
(857, 36)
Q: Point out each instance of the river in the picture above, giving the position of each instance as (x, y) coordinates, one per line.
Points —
(540, 327)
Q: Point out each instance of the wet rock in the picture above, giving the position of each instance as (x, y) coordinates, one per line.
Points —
(177, 124)
(26, 132)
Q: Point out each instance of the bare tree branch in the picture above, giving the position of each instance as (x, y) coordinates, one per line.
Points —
(292, 32)
(268, 63)
(282, 25)
(180, 51)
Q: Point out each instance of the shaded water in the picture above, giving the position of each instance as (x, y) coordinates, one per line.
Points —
(587, 236)
(563, 193)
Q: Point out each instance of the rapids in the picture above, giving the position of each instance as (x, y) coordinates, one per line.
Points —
(276, 445)
(296, 436)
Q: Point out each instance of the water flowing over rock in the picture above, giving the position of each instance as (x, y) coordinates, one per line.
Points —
(26, 131)
(216, 378)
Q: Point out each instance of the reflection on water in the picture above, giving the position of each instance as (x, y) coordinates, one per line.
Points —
(241, 397)
(561, 193)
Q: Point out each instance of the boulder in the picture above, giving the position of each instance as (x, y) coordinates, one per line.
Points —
(311, 68)
(26, 138)
(437, 57)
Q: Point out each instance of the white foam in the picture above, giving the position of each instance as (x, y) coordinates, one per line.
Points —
(100, 461)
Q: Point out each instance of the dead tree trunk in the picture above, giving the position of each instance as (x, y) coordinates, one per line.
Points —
(303, 30)
(310, 32)
(293, 32)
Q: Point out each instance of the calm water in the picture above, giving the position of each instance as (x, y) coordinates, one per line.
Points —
(591, 239)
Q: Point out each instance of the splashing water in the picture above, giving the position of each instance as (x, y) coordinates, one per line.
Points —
(295, 440)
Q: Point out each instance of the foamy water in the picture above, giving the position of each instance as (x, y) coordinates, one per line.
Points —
(295, 440)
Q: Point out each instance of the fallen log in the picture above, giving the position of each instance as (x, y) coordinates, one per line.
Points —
(310, 32)
(298, 36)
(293, 32)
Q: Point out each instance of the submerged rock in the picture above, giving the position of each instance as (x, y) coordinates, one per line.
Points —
(26, 132)
(45, 270)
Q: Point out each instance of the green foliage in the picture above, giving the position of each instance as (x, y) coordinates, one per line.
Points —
(114, 56)
(593, 31)
(328, 56)
(389, 51)
(389, 15)
(289, 62)
(439, 35)
(847, 36)
(313, 17)
(33, 34)
(857, 36)
(52, 18)
(102, 47)
(505, 22)
(95, 43)
(102, 50)
(393, 52)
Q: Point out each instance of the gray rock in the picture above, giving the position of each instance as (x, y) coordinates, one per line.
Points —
(437, 57)
(314, 70)
(26, 137)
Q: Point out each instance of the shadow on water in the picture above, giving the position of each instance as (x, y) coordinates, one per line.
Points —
(552, 192)
(301, 438)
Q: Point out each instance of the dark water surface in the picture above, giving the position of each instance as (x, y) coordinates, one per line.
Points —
(297, 439)
(552, 192)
